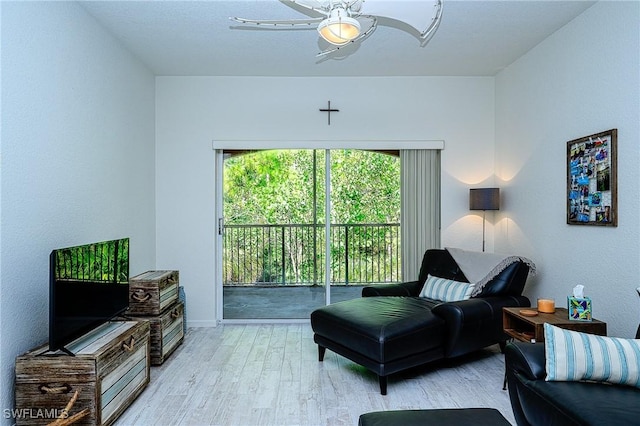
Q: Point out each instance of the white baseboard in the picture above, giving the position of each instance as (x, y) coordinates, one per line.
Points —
(205, 323)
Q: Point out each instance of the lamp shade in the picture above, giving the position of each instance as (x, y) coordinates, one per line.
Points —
(484, 199)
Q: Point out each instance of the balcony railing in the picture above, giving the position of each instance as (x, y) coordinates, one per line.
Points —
(295, 254)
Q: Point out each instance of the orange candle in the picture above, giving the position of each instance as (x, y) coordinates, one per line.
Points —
(547, 306)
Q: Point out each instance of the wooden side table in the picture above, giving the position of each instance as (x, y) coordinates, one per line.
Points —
(531, 329)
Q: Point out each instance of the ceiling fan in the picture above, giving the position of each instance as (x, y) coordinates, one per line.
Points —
(341, 22)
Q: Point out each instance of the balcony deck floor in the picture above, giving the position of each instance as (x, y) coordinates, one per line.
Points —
(280, 302)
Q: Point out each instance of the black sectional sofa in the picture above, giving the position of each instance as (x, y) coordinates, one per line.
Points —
(538, 402)
(391, 329)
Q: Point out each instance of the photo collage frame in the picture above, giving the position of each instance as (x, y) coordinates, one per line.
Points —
(592, 180)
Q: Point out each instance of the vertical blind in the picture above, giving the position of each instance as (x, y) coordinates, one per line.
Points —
(420, 207)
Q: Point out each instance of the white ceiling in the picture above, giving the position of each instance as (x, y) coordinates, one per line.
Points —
(475, 38)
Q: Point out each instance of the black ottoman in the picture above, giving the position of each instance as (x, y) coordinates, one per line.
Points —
(454, 416)
(383, 334)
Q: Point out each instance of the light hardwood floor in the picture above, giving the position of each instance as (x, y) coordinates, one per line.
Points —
(269, 374)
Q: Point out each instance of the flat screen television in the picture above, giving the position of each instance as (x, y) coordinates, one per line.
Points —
(88, 286)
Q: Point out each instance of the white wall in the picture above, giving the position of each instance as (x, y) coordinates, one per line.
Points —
(77, 158)
(193, 111)
(582, 80)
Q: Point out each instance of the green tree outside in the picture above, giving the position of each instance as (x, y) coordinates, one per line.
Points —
(276, 188)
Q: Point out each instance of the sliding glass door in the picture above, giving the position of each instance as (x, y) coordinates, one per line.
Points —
(279, 257)
(272, 237)
(365, 221)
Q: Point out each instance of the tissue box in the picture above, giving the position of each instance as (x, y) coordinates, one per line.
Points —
(579, 308)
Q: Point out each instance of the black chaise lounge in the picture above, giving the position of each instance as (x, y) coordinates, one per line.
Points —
(391, 328)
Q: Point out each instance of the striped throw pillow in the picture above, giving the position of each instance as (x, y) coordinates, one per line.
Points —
(446, 290)
(574, 356)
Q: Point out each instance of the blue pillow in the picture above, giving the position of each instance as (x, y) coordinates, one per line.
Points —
(575, 356)
(446, 290)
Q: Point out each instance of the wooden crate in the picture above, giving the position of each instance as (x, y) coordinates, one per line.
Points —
(167, 332)
(151, 292)
(109, 370)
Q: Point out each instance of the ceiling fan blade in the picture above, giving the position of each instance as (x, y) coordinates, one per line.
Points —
(315, 5)
(278, 23)
(325, 6)
(423, 15)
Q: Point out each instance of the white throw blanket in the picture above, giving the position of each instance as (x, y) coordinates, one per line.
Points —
(480, 267)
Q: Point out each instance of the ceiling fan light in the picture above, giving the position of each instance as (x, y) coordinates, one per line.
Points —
(339, 28)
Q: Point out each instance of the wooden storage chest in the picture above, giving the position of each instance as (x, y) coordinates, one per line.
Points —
(151, 292)
(167, 332)
(110, 369)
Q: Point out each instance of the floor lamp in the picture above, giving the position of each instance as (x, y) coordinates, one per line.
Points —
(484, 199)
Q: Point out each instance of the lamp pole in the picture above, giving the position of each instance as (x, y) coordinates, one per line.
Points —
(484, 212)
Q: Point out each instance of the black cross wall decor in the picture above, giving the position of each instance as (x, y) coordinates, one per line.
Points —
(328, 110)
